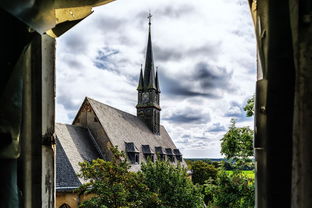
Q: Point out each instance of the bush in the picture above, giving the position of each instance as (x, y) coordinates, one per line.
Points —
(158, 185)
(112, 184)
(202, 171)
(235, 190)
(172, 186)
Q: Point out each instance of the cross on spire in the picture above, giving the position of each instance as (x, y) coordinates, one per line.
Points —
(149, 17)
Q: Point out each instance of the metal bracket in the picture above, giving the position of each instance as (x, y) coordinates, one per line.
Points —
(49, 139)
(261, 113)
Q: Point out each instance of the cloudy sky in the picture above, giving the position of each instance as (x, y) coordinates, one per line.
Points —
(205, 52)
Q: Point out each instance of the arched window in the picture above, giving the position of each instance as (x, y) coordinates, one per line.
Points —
(64, 206)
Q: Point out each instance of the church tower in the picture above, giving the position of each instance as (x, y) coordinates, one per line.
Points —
(148, 109)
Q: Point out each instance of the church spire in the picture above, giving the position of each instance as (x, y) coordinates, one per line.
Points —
(149, 72)
(148, 109)
(141, 85)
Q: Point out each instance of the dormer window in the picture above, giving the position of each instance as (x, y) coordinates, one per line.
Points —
(161, 154)
(132, 153)
(148, 153)
(170, 155)
(178, 154)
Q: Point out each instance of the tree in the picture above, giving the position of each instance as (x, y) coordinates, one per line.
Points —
(237, 143)
(172, 186)
(250, 107)
(235, 190)
(202, 171)
(158, 185)
(112, 185)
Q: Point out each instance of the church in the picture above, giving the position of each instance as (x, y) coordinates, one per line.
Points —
(97, 127)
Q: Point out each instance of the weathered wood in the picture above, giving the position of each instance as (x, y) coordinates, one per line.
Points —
(301, 15)
(38, 124)
(275, 116)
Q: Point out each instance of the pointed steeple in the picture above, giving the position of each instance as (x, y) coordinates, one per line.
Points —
(141, 82)
(156, 80)
(149, 72)
(148, 109)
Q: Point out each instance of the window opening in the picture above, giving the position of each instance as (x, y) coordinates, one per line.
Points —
(161, 154)
(170, 155)
(132, 153)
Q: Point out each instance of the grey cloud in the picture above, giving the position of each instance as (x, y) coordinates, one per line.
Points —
(116, 26)
(185, 136)
(180, 118)
(235, 110)
(164, 54)
(66, 101)
(75, 44)
(210, 79)
(178, 87)
(72, 63)
(213, 76)
(188, 116)
(108, 23)
(216, 127)
(202, 138)
(168, 11)
(175, 12)
(103, 59)
(184, 139)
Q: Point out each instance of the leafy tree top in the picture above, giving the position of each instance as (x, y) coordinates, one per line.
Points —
(250, 107)
(237, 143)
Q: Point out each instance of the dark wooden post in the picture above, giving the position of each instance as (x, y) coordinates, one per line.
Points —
(274, 103)
(301, 23)
(38, 123)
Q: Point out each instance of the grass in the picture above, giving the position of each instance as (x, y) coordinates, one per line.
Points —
(248, 173)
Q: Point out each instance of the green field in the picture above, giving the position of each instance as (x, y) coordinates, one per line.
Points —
(248, 173)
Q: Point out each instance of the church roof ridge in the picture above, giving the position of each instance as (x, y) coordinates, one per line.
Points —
(121, 111)
(110, 106)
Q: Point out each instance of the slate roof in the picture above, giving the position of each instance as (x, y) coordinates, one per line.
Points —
(122, 127)
(74, 144)
(65, 175)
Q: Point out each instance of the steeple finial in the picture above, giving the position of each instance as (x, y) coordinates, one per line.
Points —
(149, 17)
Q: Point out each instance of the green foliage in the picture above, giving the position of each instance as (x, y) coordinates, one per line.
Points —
(112, 184)
(202, 171)
(158, 185)
(237, 143)
(250, 107)
(234, 189)
(172, 186)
